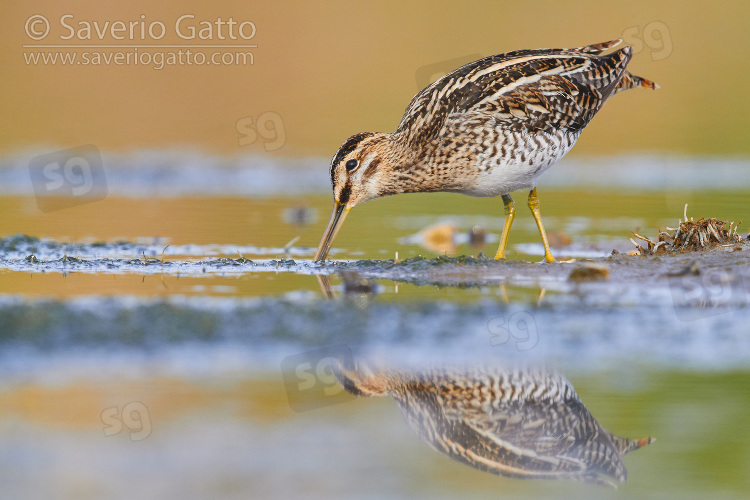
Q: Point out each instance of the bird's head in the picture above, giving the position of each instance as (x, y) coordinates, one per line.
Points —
(357, 173)
(357, 168)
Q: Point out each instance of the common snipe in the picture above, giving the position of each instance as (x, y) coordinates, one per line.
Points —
(523, 423)
(488, 128)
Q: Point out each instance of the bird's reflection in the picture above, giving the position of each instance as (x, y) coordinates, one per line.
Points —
(355, 287)
(325, 285)
(517, 423)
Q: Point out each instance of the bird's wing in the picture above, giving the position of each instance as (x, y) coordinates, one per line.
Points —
(533, 90)
(545, 439)
(523, 424)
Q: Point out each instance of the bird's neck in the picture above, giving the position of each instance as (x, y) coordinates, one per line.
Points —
(408, 170)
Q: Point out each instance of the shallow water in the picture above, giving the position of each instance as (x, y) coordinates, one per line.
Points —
(156, 337)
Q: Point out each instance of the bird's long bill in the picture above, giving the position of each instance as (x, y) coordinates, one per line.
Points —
(337, 220)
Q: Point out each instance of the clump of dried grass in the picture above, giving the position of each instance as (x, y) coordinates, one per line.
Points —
(690, 236)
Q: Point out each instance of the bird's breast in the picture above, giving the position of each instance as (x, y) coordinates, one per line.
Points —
(500, 161)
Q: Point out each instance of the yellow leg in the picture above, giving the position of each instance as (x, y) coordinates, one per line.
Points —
(510, 214)
(504, 294)
(534, 207)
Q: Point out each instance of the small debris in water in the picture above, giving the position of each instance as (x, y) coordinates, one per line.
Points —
(150, 260)
(444, 238)
(589, 271)
(559, 239)
(477, 237)
(439, 239)
(356, 284)
(692, 270)
(300, 215)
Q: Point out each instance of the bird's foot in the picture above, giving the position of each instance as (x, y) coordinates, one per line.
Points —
(545, 261)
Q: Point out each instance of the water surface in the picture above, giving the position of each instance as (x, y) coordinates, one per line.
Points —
(152, 332)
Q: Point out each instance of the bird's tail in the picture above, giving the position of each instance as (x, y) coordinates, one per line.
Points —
(620, 58)
(625, 445)
(630, 81)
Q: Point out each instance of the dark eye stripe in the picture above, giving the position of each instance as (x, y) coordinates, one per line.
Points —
(371, 168)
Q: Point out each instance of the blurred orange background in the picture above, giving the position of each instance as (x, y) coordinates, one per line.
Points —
(322, 71)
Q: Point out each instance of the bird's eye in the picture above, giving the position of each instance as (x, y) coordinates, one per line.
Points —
(351, 165)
